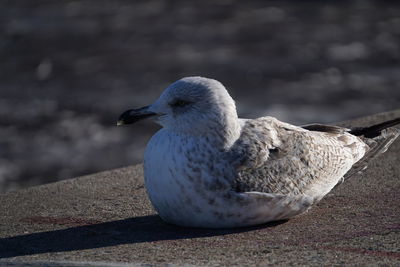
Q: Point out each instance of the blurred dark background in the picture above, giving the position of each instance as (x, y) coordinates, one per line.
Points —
(69, 68)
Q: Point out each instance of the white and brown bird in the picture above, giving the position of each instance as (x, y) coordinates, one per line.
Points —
(208, 168)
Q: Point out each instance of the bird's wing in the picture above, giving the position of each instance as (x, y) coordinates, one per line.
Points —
(325, 128)
(275, 157)
(272, 207)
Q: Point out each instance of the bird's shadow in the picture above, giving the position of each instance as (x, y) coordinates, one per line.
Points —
(127, 231)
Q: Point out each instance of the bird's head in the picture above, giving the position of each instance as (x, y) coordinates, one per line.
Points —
(190, 105)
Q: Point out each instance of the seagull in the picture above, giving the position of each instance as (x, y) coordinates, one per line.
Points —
(208, 168)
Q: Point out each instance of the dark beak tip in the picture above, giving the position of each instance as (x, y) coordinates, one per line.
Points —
(134, 115)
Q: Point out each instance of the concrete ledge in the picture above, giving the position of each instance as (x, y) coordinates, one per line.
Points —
(105, 219)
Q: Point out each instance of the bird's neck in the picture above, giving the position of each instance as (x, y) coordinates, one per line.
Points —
(221, 134)
(228, 134)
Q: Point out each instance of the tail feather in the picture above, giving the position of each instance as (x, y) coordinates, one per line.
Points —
(378, 145)
(374, 130)
(378, 137)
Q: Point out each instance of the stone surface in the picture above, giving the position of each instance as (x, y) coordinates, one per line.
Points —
(106, 219)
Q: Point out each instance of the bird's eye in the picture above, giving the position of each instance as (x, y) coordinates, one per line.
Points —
(180, 103)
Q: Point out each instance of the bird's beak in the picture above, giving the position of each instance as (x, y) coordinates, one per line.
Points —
(134, 115)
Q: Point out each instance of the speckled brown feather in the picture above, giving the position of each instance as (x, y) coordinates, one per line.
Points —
(292, 160)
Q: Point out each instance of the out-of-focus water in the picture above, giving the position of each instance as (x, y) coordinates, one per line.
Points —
(69, 68)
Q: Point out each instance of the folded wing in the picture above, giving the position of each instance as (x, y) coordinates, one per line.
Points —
(275, 157)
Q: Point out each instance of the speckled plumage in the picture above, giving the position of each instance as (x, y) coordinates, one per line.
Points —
(293, 160)
(208, 168)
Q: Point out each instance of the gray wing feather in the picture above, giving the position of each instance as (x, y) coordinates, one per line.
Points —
(377, 146)
(325, 128)
(275, 157)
